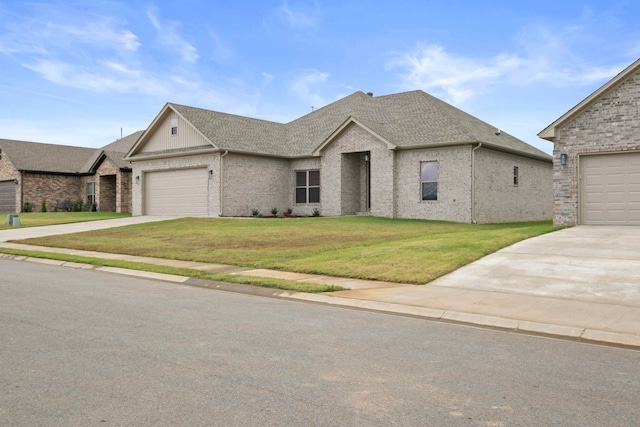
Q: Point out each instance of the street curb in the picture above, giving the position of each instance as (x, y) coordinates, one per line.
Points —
(591, 336)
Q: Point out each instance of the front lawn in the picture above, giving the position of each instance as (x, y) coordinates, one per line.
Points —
(408, 251)
(36, 219)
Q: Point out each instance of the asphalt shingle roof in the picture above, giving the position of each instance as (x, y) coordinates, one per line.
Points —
(408, 119)
(41, 157)
(36, 156)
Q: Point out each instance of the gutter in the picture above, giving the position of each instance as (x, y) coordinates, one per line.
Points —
(473, 183)
(220, 194)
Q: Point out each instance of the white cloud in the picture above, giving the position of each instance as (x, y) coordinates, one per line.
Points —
(266, 79)
(42, 36)
(458, 78)
(302, 87)
(110, 77)
(298, 19)
(169, 37)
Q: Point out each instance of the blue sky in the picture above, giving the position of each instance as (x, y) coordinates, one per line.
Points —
(76, 72)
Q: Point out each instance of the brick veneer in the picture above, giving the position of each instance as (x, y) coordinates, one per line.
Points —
(609, 124)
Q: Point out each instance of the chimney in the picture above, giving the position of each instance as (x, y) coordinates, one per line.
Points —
(370, 93)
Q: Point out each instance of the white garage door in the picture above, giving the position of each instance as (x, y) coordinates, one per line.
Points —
(181, 192)
(610, 189)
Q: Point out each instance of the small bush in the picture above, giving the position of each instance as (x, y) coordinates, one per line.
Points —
(287, 212)
(28, 207)
(316, 212)
(274, 211)
(43, 206)
(255, 213)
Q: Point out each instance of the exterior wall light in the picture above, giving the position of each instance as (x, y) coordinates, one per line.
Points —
(563, 159)
(137, 179)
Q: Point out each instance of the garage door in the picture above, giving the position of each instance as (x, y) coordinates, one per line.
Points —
(182, 192)
(7, 196)
(610, 189)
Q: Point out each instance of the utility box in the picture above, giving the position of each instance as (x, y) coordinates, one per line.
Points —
(16, 221)
(10, 218)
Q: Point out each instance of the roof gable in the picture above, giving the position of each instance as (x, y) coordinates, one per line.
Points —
(549, 133)
(115, 151)
(157, 138)
(351, 121)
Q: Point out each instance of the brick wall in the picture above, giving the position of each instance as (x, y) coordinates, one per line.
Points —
(253, 182)
(497, 199)
(610, 124)
(51, 188)
(454, 184)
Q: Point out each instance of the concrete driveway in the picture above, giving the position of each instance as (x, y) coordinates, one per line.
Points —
(588, 263)
(76, 227)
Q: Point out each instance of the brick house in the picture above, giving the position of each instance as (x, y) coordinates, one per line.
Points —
(596, 156)
(406, 155)
(32, 172)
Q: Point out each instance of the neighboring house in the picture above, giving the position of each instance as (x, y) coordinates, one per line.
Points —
(407, 155)
(32, 172)
(596, 178)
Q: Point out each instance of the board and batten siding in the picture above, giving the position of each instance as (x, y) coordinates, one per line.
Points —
(162, 139)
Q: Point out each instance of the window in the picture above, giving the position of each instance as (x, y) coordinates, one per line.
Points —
(515, 176)
(91, 193)
(429, 179)
(174, 126)
(308, 186)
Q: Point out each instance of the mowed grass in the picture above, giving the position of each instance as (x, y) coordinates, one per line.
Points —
(407, 251)
(37, 219)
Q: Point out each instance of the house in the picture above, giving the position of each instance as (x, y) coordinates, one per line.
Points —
(596, 155)
(405, 155)
(32, 172)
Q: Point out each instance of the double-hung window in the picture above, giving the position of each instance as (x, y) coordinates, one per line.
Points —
(91, 193)
(308, 186)
(429, 180)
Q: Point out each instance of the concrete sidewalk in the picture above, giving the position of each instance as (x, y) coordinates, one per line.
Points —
(553, 285)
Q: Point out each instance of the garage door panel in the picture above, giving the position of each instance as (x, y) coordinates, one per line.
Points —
(610, 189)
(180, 192)
(8, 196)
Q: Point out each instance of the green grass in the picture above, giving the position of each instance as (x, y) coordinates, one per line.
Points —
(37, 219)
(187, 272)
(407, 251)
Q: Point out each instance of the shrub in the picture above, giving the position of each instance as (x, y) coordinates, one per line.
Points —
(287, 212)
(274, 211)
(316, 212)
(255, 213)
(43, 206)
(28, 207)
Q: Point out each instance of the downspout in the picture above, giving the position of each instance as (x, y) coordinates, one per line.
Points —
(220, 194)
(473, 183)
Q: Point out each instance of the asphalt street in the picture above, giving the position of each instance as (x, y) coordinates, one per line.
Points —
(82, 347)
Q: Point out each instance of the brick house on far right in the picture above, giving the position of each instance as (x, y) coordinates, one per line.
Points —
(596, 155)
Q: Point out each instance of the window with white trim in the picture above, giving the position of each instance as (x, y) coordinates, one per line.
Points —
(429, 180)
(174, 126)
(308, 186)
(91, 193)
